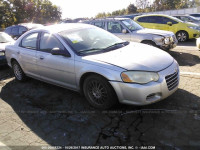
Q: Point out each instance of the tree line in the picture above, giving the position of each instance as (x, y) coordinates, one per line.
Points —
(142, 6)
(22, 11)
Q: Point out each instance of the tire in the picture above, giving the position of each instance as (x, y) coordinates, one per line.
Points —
(18, 72)
(149, 43)
(182, 36)
(99, 92)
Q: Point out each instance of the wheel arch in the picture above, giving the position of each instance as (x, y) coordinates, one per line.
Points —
(182, 31)
(148, 40)
(87, 74)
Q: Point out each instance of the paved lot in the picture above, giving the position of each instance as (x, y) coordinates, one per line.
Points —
(38, 114)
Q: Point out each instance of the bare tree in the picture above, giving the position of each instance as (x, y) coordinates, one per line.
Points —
(142, 4)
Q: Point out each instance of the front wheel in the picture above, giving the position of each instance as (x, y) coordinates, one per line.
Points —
(182, 36)
(18, 72)
(99, 92)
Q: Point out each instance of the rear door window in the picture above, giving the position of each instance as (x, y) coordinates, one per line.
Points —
(49, 42)
(100, 24)
(143, 19)
(30, 41)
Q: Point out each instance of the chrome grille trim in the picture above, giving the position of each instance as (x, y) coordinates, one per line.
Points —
(172, 80)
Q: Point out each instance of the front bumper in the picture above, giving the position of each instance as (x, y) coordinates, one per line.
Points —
(194, 34)
(137, 94)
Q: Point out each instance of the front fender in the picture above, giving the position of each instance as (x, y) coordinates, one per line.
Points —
(85, 68)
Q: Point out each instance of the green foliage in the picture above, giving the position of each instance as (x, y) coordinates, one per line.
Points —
(131, 9)
(21, 11)
(160, 5)
(157, 5)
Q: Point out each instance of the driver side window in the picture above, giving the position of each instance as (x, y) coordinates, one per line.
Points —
(115, 27)
(49, 42)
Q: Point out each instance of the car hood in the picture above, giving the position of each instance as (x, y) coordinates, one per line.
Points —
(135, 56)
(155, 31)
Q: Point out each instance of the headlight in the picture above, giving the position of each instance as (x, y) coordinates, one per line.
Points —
(140, 77)
(167, 40)
(194, 27)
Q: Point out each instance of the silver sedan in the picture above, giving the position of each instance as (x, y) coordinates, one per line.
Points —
(90, 60)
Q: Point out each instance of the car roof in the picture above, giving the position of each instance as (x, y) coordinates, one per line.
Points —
(181, 15)
(195, 14)
(106, 19)
(63, 27)
(109, 18)
(153, 15)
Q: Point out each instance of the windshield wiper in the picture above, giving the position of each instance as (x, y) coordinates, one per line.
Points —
(90, 50)
(113, 45)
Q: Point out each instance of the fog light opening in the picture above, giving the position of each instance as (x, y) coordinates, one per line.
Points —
(153, 97)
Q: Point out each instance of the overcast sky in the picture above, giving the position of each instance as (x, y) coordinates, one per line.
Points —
(89, 8)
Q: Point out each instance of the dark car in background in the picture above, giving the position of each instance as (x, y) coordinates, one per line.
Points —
(187, 18)
(197, 15)
(17, 30)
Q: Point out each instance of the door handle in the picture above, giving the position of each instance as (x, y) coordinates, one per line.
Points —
(18, 52)
(41, 57)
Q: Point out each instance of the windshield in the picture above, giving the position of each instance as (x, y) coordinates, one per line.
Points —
(132, 25)
(5, 38)
(89, 40)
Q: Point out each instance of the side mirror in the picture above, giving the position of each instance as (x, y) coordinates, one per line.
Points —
(169, 23)
(124, 31)
(58, 51)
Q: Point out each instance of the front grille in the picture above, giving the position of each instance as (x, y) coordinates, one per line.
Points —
(172, 80)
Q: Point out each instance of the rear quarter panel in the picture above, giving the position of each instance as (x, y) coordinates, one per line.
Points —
(11, 53)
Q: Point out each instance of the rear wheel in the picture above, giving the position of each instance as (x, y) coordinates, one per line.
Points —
(99, 92)
(182, 36)
(18, 72)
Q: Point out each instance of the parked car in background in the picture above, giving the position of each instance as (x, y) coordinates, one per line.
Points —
(5, 39)
(182, 30)
(128, 16)
(129, 30)
(86, 58)
(17, 30)
(187, 18)
(198, 43)
(197, 15)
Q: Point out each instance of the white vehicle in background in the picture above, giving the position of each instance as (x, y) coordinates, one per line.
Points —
(198, 43)
(5, 39)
